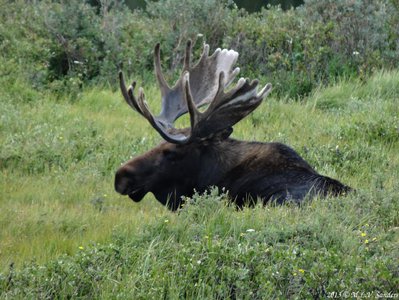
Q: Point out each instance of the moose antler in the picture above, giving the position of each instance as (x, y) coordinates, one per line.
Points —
(201, 84)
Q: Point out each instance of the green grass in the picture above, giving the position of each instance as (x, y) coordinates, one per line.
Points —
(64, 232)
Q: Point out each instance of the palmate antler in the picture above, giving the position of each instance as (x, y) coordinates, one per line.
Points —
(204, 83)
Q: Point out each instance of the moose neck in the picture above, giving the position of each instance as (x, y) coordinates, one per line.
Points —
(218, 159)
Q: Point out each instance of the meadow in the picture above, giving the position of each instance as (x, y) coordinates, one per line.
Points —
(65, 233)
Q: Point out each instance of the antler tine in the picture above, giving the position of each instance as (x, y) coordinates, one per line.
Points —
(142, 103)
(187, 56)
(205, 52)
(233, 76)
(128, 93)
(133, 101)
(265, 91)
(192, 109)
(216, 101)
(158, 70)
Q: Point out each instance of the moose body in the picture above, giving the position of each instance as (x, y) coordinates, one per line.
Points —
(248, 170)
(204, 155)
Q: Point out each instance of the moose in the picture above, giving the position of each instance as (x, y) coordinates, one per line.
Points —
(203, 155)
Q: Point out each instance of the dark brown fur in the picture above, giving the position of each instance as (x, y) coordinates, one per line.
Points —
(248, 170)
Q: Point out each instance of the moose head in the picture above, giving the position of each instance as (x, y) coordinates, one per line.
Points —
(203, 155)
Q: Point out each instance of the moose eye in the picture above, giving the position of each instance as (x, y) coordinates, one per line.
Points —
(172, 155)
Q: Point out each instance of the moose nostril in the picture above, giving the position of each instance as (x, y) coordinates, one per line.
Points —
(121, 185)
(125, 180)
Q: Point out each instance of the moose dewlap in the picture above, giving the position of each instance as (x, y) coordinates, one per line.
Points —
(204, 155)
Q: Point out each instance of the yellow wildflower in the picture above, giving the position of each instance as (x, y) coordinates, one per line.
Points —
(363, 234)
(301, 270)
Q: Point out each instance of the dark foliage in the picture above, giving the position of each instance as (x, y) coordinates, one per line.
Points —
(65, 45)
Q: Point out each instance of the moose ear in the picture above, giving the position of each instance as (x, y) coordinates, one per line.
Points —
(219, 136)
(225, 133)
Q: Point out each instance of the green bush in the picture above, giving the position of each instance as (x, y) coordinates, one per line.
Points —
(24, 48)
(212, 252)
(69, 44)
(316, 43)
(360, 28)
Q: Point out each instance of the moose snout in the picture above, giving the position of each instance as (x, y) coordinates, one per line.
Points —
(122, 182)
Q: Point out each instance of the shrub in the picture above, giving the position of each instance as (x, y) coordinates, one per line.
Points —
(359, 29)
(279, 46)
(69, 44)
(212, 252)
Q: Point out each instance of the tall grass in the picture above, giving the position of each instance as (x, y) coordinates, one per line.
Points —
(65, 233)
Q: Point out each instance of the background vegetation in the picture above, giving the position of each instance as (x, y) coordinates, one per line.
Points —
(64, 130)
(65, 45)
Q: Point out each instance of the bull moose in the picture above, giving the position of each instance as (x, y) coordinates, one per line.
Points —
(196, 158)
